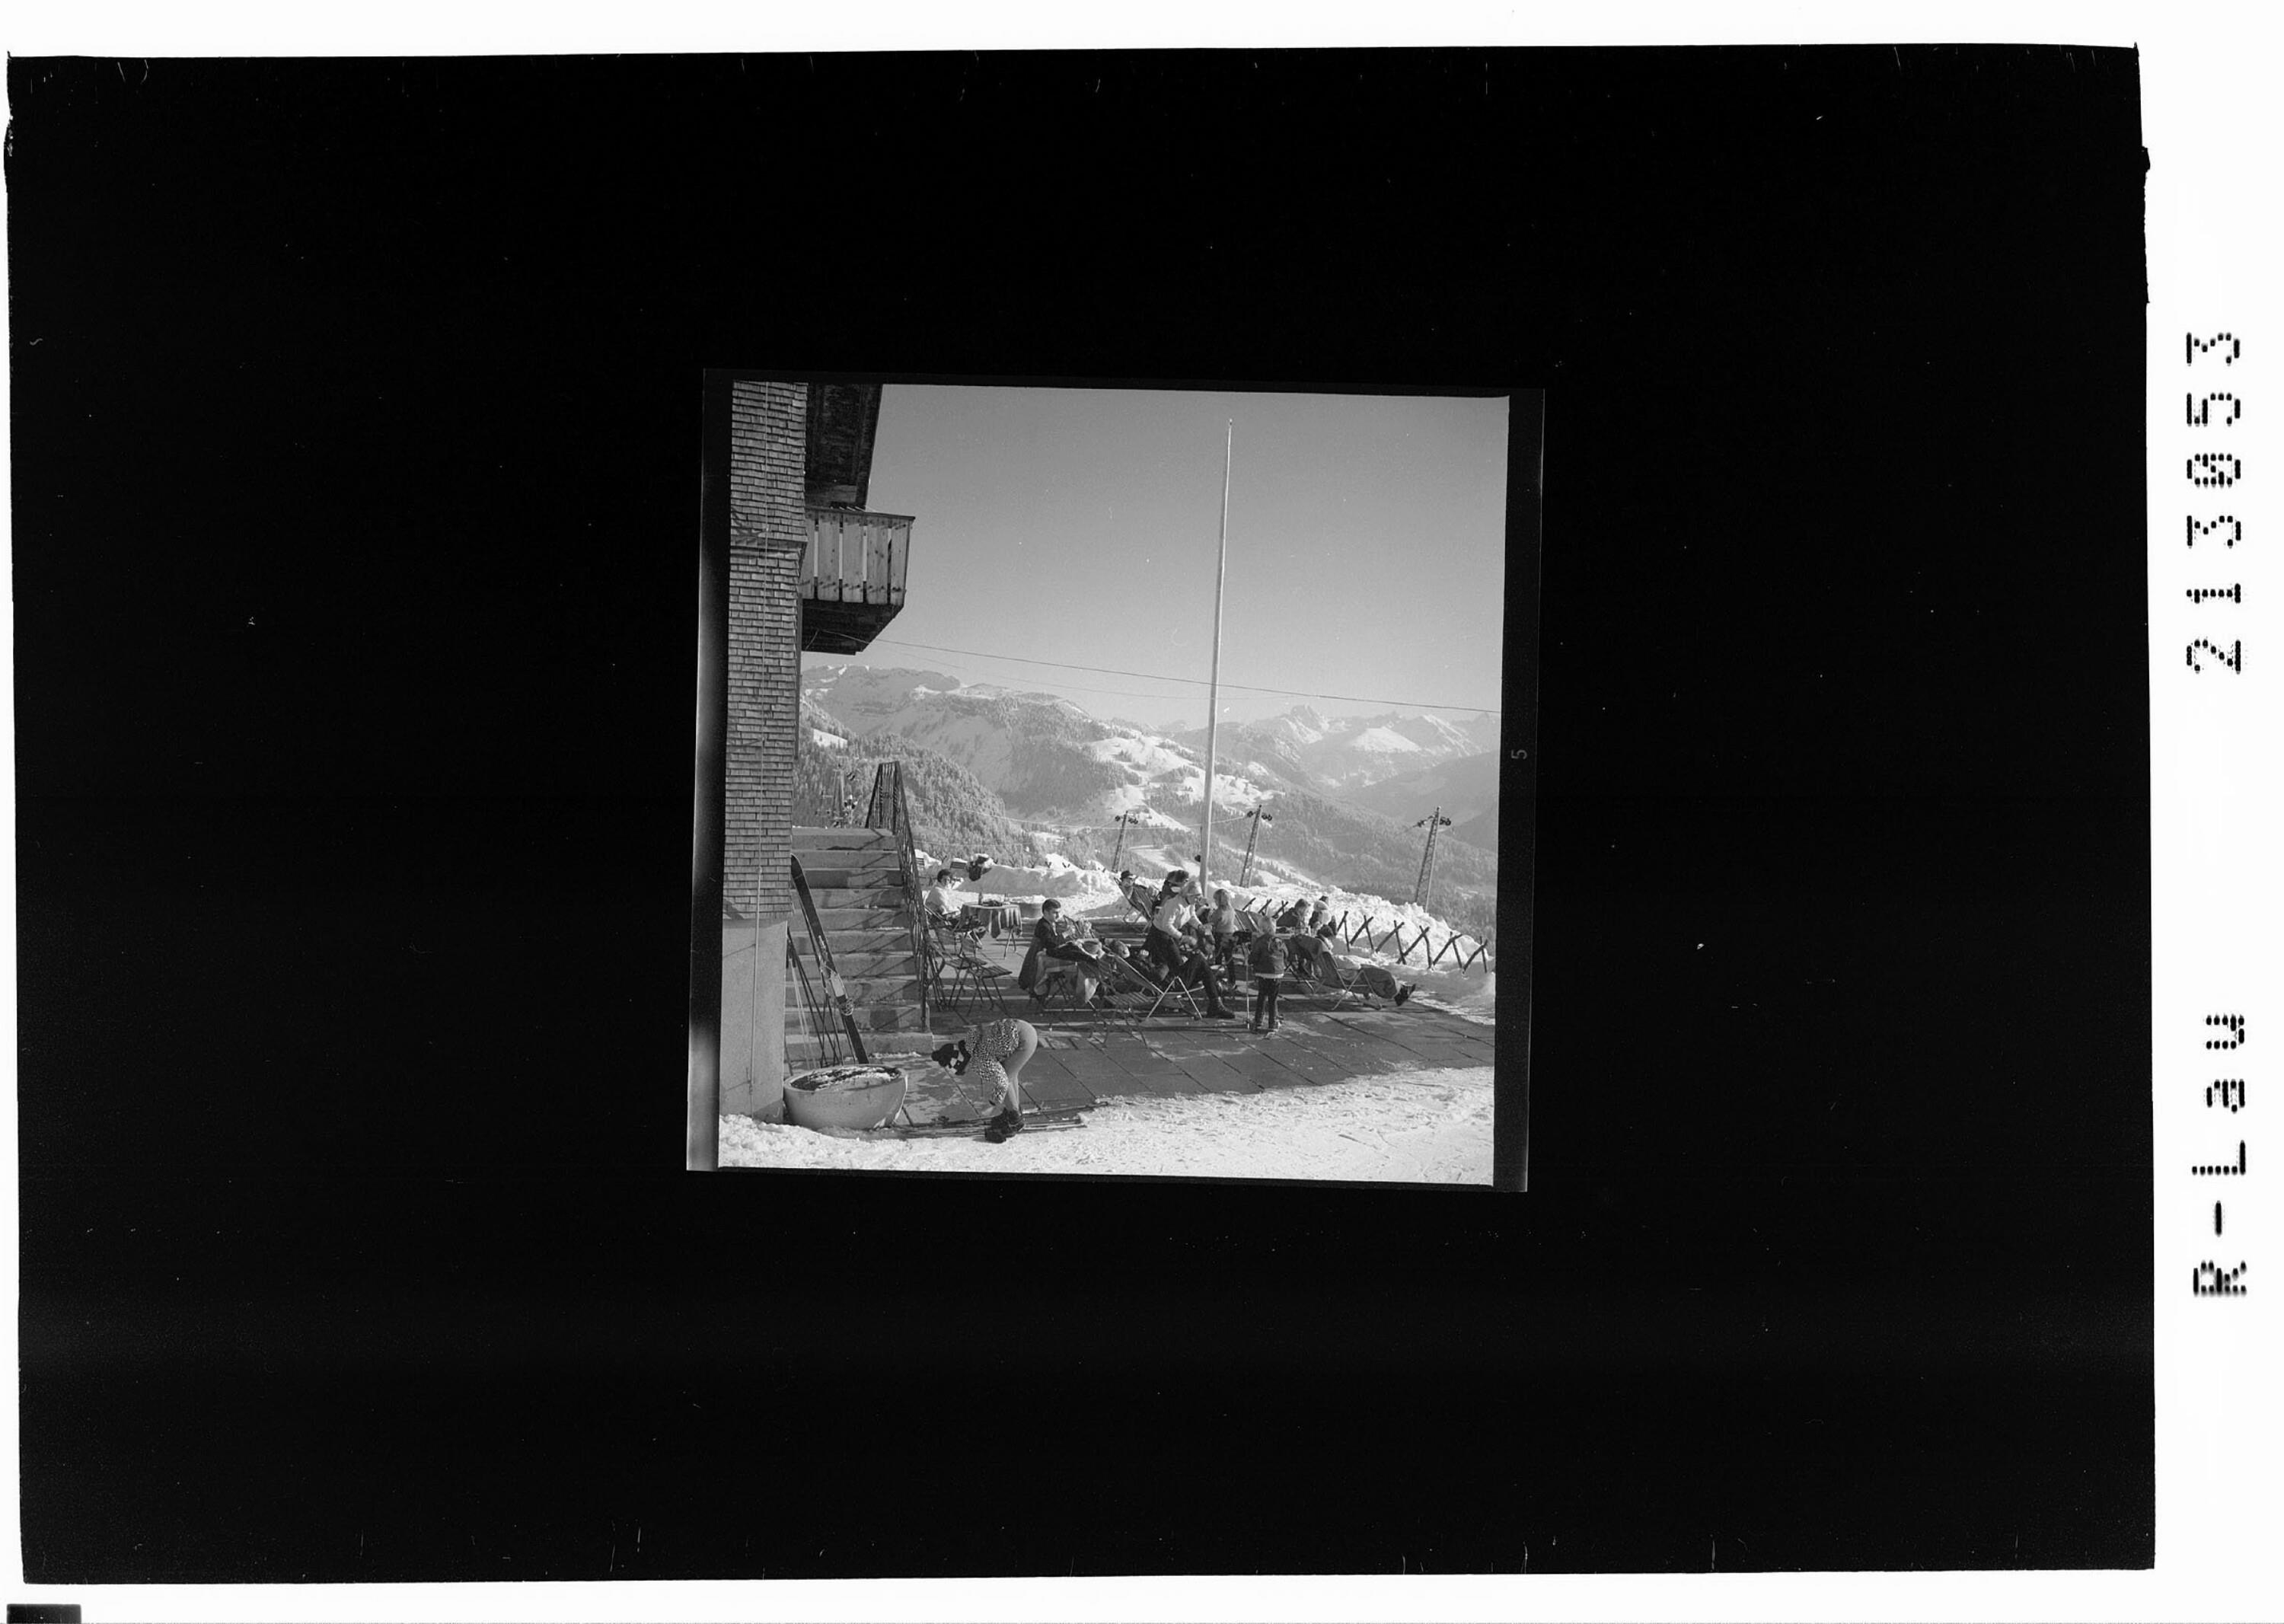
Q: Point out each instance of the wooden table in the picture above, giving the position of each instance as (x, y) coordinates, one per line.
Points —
(1000, 916)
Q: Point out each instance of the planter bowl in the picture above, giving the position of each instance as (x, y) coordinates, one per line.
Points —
(856, 1109)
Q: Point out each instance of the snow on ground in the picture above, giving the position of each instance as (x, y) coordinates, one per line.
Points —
(1427, 1126)
(1471, 994)
(1228, 791)
(1151, 757)
(1055, 875)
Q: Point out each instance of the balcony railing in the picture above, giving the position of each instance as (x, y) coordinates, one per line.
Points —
(852, 577)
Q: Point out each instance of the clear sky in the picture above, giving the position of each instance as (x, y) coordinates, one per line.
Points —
(1366, 545)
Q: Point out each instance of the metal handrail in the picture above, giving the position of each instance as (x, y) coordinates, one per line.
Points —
(888, 810)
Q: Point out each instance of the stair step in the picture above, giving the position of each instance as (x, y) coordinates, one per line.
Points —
(887, 972)
(853, 896)
(866, 990)
(806, 840)
(872, 1018)
(863, 916)
(822, 877)
(898, 950)
(875, 938)
(888, 861)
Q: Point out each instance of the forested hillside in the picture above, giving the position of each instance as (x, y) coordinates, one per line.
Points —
(1369, 851)
(952, 812)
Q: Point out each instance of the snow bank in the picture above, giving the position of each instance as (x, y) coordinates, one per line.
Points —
(1427, 1126)
(1057, 876)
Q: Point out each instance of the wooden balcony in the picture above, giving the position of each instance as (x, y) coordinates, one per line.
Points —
(852, 577)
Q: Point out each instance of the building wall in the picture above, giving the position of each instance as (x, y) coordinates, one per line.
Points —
(769, 529)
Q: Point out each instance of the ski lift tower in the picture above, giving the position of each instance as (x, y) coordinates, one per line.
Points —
(1133, 816)
(1257, 816)
(1432, 823)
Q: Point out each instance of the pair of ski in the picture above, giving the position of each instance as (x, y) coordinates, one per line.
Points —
(1033, 1123)
(838, 991)
(835, 986)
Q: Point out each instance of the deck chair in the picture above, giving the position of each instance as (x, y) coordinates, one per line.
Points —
(1131, 994)
(1175, 988)
(1061, 978)
(1334, 986)
(957, 966)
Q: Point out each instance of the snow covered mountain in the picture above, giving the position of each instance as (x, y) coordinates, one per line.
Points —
(1056, 766)
(1340, 755)
(1047, 758)
(1467, 788)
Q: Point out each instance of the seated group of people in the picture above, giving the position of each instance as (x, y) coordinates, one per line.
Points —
(1216, 933)
(1189, 941)
(1312, 929)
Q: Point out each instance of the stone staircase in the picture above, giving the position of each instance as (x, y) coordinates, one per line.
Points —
(856, 880)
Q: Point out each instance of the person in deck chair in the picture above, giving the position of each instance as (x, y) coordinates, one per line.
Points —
(1221, 918)
(1055, 937)
(1296, 915)
(1138, 963)
(1173, 941)
(1317, 958)
(1135, 892)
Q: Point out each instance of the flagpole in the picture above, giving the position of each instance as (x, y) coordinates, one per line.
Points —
(1213, 689)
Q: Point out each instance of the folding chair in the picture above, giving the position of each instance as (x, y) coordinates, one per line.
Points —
(953, 954)
(1132, 994)
(1062, 978)
(1301, 981)
(1174, 987)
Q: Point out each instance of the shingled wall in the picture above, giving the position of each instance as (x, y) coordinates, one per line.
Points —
(768, 527)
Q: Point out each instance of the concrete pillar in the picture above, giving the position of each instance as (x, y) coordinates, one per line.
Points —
(754, 1020)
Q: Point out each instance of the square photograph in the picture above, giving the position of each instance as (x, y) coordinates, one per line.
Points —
(1109, 781)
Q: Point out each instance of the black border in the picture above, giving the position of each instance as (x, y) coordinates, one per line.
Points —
(352, 453)
(1524, 524)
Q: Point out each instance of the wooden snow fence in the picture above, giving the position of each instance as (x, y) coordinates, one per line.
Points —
(1365, 931)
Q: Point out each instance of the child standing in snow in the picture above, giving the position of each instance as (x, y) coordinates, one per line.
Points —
(1267, 956)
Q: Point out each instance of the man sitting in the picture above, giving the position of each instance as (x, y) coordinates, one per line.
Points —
(1173, 941)
(1057, 942)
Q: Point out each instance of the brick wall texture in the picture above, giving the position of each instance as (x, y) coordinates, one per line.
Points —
(769, 529)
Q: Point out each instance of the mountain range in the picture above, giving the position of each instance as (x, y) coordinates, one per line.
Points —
(1338, 755)
(1344, 792)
